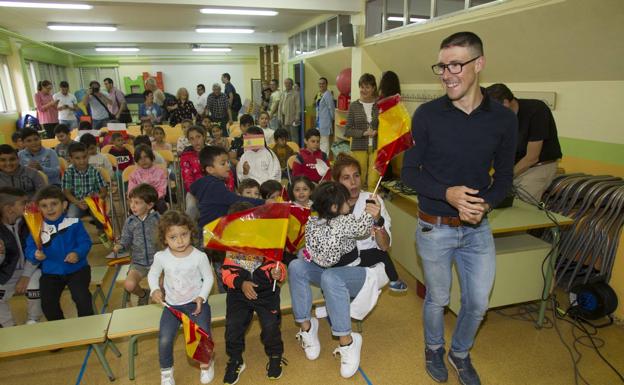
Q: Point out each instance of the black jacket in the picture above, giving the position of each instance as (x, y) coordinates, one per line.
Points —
(11, 254)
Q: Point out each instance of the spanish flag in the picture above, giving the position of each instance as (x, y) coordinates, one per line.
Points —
(257, 231)
(97, 207)
(199, 344)
(34, 220)
(394, 133)
(297, 220)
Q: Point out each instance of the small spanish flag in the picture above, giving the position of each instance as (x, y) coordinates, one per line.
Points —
(34, 220)
(394, 133)
(199, 344)
(257, 231)
(297, 221)
(97, 207)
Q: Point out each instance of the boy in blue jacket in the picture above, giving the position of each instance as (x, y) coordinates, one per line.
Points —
(63, 257)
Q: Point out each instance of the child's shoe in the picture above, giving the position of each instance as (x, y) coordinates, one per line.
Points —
(274, 367)
(233, 371)
(398, 286)
(350, 356)
(309, 340)
(206, 375)
(166, 377)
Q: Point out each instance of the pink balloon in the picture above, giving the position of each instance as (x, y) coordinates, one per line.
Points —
(343, 81)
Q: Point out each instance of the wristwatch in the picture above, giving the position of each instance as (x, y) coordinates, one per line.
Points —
(379, 222)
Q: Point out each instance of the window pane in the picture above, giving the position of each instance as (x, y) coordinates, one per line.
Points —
(332, 32)
(303, 46)
(474, 3)
(448, 6)
(322, 33)
(374, 14)
(394, 14)
(291, 46)
(419, 10)
(7, 98)
(312, 38)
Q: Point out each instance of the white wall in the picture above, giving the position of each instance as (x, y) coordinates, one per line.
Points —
(190, 75)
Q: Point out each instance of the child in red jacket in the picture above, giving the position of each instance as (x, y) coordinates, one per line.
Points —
(311, 161)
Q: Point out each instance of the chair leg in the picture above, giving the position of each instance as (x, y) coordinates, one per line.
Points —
(132, 351)
(102, 358)
(125, 298)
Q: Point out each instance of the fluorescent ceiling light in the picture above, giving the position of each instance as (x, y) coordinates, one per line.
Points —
(23, 4)
(223, 30)
(81, 27)
(212, 49)
(117, 49)
(234, 11)
(412, 19)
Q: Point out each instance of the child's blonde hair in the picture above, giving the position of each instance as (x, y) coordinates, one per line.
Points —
(175, 218)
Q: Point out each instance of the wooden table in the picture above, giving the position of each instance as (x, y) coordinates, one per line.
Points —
(519, 256)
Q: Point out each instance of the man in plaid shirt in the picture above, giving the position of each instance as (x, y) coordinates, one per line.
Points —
(81, 180)
(218, 108)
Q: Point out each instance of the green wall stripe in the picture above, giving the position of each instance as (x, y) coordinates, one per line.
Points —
(593, 150)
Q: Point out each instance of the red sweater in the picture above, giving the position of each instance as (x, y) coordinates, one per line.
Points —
(306, 165)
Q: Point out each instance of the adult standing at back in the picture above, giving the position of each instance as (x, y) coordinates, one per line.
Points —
(538, 148)
(47, 114)
(274, 102)
(230, 92)
(66, 106)
(289, 111)
(159, 95)
(218, 108)
(325, 110)
(362, 123)
(98, 104)
(117, 99)
(202, 97)
(458, 137)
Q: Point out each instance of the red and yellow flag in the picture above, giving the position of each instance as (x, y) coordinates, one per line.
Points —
(199, 344)
(394, 133)
(257, 231)
(295, 238)
(97, 207)
(34, 220)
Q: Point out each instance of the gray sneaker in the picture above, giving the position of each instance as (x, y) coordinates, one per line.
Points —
(465, 371)
(434, 364)
(145, 299)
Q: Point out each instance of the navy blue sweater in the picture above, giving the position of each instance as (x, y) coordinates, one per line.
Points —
(214, 199)
(453, 148)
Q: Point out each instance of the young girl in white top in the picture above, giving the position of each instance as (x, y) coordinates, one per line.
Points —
(301, 190)
(263, 122)
(187, 282)
(261, 164)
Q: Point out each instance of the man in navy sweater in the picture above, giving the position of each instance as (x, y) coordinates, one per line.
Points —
(458, 138)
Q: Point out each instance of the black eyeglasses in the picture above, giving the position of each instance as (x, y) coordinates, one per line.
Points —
(453, 68)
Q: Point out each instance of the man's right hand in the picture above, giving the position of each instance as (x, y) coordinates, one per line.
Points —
(460, 197)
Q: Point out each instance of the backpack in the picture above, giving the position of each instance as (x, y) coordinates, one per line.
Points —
(236, 102)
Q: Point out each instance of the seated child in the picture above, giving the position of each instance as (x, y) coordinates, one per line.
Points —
(282, 150)
(263, 122)
(271, 189)
(148, 172)
(144, 140)
(63, 257)
(138, 238)
(187, 283)
(147, 128)
(183, 141)
(13, 174)
(300, 191)
(311, 161)
(34, 155)
(249, 281)
(236, 147)
(217, 138)
(85, 127)
(16, 138)
(249, 188)
(17, 275)
(259, 164)
(62, 134)
(159, 139)
(96, 159)
(120, 152)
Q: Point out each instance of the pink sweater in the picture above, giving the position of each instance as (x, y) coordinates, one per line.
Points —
(155, 176)
(45, 114)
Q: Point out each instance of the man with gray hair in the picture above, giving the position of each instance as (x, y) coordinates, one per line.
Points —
(290, 110)
(218, 108)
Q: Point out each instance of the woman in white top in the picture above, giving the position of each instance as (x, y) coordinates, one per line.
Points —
(259, 164)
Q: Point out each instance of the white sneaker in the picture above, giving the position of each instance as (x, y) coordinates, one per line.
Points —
(309, 340)
(380, 271)
(206, 375)
(350, 356)
(166, 377)
(31, 322)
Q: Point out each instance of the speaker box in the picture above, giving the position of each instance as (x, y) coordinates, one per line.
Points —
(346, 31)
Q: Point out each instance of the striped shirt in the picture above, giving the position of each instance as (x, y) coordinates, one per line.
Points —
(82, 183)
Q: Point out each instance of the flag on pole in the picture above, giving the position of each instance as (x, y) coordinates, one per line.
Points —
(256, 231)
(34, 220)
(199, 344)
(394, 132)
(97, 206)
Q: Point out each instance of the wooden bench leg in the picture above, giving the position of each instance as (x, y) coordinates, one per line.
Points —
(102, 358)
(132, 351)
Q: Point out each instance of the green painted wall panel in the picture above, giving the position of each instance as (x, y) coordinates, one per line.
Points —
(589, 149)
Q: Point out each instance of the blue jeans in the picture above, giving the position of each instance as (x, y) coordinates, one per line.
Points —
(170, 324)
(69, 123)
(472, 248)
(339, 285)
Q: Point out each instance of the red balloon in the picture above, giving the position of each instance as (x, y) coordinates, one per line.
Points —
(343, 81)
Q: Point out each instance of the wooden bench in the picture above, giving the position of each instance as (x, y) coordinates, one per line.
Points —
(65, 333)
(136, 321)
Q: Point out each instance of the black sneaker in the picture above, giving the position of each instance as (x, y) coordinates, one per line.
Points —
(465, 371)
(434, 364)
(233, 371)
(274, 367)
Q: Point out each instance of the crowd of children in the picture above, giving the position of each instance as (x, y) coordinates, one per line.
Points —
(220, 175)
